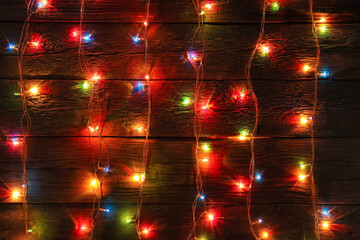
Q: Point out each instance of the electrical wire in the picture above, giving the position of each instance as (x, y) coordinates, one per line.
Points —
(146, 141)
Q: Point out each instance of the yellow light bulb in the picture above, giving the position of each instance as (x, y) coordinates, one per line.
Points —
(34, 90)
(306, 68)
(15, 194)
(302, 177)
(211, 217)
(325, 225)
(322, 20)
(265, 235)
(304, 120)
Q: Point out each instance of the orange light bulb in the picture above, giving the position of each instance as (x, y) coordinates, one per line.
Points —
(306, 68)
(15, 194)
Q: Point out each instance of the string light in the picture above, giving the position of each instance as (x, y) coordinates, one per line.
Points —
(265, 235)
(205, 160)
(35, 44)
(211, 217)
(322, 20)
(146, 23)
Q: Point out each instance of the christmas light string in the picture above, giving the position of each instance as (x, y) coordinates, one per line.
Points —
(142, 178)
(198, 67)
(25, 119)
(96, 182)
(253, 134)
(312, 124)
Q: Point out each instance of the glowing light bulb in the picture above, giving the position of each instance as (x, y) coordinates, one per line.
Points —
(258, 176)
(186, 101)
(75, 33)
(85, 85)
(139, 129)
(146, 231)
(12, 46)
(147, 77)
(128, 221)
(34, 90)
(87, 38)
(211, 217)
(91, 129)
(35, 44)
(107, 169)
(84, 228)
(202, 13)
(146, 23)
(265, 50)
(260, 220)
(15, 194)
(325, 225)
(242, 136)
(15, 141)
(205, 160)
(306, 68)
(325, 212)
(325, 74)
(206, 147)
(30, 230)
(265, 234)
(104, 210)
(202, 197)
(135, 39)
(95, 77)
(322, 20)
(323, 29)
(302, 177)
(302, 165)
(275, 6)
(241, 186)
(94, 182)
(208, 6)
(138, 178)
(42, 3)
(304, 120)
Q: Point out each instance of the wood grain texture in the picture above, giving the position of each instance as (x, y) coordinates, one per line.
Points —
(60, 108)
(182, 11)
(60, 163)
(228, 48)
(60, 170)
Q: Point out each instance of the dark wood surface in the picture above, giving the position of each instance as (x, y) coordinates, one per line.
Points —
(60, 165)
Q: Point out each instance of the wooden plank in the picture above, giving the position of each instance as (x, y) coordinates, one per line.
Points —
(60, 171)
(181, 11)
(227, 47)
(60, 108)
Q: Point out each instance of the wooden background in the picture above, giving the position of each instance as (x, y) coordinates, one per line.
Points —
(60, 164)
